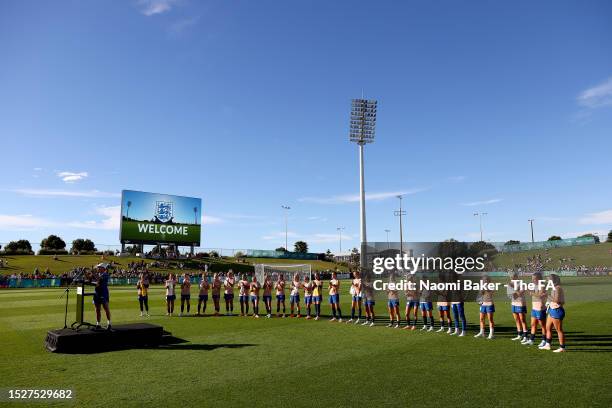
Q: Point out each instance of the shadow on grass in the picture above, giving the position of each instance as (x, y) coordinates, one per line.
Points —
(170, 342)
(203, 347)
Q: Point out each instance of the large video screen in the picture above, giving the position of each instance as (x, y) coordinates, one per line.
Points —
(152, 218)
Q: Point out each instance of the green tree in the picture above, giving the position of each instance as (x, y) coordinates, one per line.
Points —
(281, 249)
(512, 242)
(80, 244)
(555, 238)
(301, 247)
(132, 249)
(53, 242)
(22, 246)
(451, 248)
(609, 236)
(355, 257)
(481, 248)
(590, 236)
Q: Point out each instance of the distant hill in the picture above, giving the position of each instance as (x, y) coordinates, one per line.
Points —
(65, 263)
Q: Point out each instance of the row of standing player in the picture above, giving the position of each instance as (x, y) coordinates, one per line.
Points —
(249, 294)
(546, 312)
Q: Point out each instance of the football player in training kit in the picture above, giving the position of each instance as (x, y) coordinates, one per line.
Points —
(267, 295)
(308, 287)
(538, 311)
(243, 295)
(356, 294)
(228, 294)
(294, 295)
(203, 295)
(519, 308)
(334, 297)
(254, 288)
(215, 288)
(185, 294)
(280, 294)
(317, 295)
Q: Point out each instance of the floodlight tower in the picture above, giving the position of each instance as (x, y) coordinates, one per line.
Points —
(399, 214)
(479, 215)
(362, 131)
(286, 208)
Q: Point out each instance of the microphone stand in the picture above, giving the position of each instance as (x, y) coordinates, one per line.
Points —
(67, 294)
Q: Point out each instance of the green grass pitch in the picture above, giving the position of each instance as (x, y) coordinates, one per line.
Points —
(232, 361)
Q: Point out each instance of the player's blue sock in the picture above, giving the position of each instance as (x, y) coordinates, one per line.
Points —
(352, 312)
(339, 313)
(359, 317)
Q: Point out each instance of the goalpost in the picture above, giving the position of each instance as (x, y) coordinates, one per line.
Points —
(274, 270)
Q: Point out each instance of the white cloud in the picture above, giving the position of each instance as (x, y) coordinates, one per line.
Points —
(326, 238)
(484, 202)
(317, 218)
(37, 168)
(457, 179)
(349, 198)
(153, 7)
(23, 222)
(20, 222)
(210, 220)
(280, 234)
(65, 193)
(597, 218)
(551, 219)
(110, 221)
(597, 96)
(71, 177)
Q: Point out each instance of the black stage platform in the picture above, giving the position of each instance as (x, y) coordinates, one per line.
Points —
(89, 340)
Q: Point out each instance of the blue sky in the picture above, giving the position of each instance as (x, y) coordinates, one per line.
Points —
(497, 107)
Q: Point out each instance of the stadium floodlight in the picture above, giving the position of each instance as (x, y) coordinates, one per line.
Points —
(362, 131)
(399, 214)
(531, 223)
(479, 215)
(340, 229)
(286, 208)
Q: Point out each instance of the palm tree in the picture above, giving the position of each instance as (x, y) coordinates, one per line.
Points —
(129, 204)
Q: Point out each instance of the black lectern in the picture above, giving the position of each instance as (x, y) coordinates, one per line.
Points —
(80, 306)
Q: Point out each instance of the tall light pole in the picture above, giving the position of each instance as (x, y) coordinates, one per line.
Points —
(531, 223)
(362, 131)
(286, 208)
(480, 218)
(399, 214)
(388, 244)
(339, 229)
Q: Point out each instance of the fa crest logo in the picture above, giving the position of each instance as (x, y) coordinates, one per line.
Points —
(164, 210)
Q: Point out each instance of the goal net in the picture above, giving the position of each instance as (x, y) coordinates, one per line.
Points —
(288, 271)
